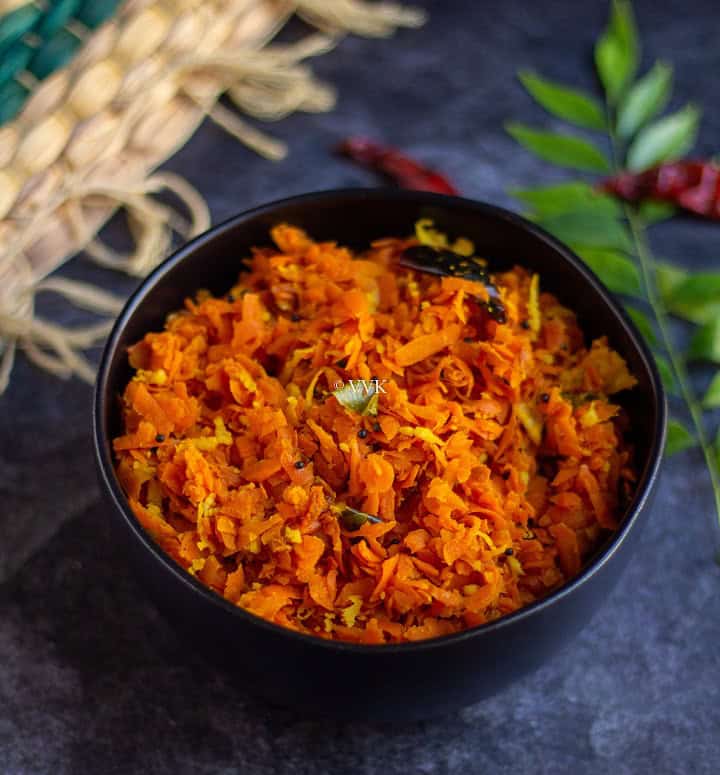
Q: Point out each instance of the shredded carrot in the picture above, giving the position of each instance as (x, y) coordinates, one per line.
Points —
(491, 454)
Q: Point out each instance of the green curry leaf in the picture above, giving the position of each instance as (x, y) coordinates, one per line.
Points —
(666, 139)
(646, 99)
(669, 279)
(563, 150)
(679, 438)
(361, 397)
(643, 324)
(564, 102)
(571, 197)
(697, 288)
(589, 230)
(655, 212)
(705, 344)
(352, 519)
(618, 51)
(666, 374)
(615, 270)
(711, 399)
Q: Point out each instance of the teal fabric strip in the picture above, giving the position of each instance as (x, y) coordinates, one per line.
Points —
(12, 98)
(17, 23)
(56, 17)
(55, 52)
(14, 60)
(94, 12)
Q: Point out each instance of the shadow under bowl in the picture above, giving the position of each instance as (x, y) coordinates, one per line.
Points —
(410, 680)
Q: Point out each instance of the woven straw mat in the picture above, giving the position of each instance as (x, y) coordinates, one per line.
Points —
(90, 136)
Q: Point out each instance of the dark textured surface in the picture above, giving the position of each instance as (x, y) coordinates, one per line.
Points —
(92, 680)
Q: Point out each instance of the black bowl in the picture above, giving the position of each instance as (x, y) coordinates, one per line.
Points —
(411, 680)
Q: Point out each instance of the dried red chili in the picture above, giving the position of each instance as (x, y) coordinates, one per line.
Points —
(397, 166)
(691, 185)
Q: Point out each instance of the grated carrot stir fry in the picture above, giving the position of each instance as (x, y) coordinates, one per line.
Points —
(495, 460)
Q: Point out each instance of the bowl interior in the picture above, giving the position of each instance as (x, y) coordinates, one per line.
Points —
(355, 218)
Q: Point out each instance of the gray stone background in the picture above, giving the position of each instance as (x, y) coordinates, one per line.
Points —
(92, 680)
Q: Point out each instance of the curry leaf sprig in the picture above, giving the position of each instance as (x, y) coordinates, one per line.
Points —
(610, 236)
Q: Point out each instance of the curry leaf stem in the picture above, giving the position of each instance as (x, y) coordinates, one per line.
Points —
(677, 361)
(647, 265)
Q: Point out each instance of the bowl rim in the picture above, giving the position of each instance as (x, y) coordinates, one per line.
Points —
(103, 451)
